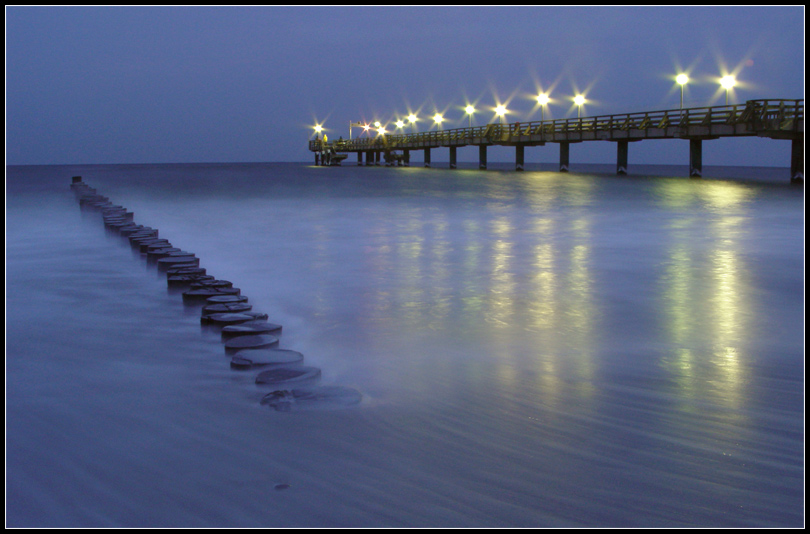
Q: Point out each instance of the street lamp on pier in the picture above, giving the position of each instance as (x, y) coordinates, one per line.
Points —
(682, 80)
(579, 100)
(412, 120)
(543, 101)
(500, 111)
(437, 118)
(728, 82)
(470, 110)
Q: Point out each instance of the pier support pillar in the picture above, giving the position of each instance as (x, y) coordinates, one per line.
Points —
(369, 158)
(519, 157)
(564, 152)
(317, 159)
(695, 158)
(621, 157)
(359, 158)
(797, 160)
(377, 158)
(452, 157)
(427, 157)
(406, 158)
(482, 157)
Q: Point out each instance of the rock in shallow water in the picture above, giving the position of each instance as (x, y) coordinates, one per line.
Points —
(288, 376)
(246, 359)
(312, 398)
(232, 346)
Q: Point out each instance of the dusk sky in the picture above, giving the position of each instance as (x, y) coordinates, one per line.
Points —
(88, 85)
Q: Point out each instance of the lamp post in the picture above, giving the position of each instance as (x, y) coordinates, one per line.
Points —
(579, 100)
(682, 80)
(727, 82)
(412, 119)
(470, 110)
(500, 111)
(437, 118)
(543, 101)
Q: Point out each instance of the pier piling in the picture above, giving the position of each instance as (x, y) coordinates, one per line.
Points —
(519, 157)
(621, 157)
(564, 154)
(695, 158)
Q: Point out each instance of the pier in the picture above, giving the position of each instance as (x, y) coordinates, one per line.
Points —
(774, 119)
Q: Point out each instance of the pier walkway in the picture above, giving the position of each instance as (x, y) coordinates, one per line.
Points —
(774, 119)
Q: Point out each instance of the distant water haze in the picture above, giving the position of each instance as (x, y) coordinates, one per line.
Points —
(534, 349)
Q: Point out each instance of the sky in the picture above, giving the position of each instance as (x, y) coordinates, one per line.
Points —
(106, 85)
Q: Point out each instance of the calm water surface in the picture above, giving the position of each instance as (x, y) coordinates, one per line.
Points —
(534, 349)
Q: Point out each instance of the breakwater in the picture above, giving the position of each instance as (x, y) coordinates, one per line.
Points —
(248, 338)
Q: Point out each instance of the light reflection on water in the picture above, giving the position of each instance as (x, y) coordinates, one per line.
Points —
(602, 350)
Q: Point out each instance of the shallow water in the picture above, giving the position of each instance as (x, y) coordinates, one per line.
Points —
(533, 349)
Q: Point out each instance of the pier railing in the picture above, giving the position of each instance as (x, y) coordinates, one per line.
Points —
(768, 118)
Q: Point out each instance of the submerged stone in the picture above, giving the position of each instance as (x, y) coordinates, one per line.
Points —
(251, 328)
(245, 359)
(223, 319)
(288, 375)
(226, 299)
(212, 284)
(262, 341)
(312, 398)
(202, 294)
(186, 279)
(236, 307)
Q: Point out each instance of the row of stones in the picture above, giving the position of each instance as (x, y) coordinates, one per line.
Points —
(248, 338)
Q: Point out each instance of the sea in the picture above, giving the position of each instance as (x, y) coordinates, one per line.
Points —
(533, 349)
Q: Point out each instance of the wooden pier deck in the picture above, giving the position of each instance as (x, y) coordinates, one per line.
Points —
(774, 119)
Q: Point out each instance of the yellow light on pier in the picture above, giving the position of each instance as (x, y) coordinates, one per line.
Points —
(682, 80)
(728, 82)
(470, 110)
(543, 100)
(412, 120)
(500, 111)
(400, 124)
(579, 100)
(437, 118)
